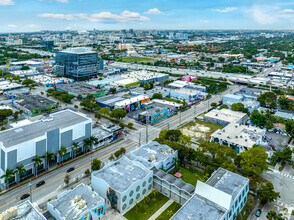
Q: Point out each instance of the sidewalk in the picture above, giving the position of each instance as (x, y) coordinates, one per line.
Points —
(161, 210)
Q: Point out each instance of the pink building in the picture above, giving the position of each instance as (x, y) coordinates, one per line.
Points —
(188, 78)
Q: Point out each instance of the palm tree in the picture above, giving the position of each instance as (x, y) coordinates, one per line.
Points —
(8, 175)
(19, 170)
(94, 141)
(154, 192)
(87, 143)
(37, 161)
(61, 152)
(48, 156)
(75, 147)
(169, 213)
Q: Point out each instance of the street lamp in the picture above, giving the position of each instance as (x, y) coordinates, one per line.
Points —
(31, 195)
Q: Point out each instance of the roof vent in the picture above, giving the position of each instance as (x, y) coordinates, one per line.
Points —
(245, 139)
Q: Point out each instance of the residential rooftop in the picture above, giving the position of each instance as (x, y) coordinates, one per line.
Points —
(61, 119)
(121, 174)
(241, 135)
(68, 209)
(227, 181)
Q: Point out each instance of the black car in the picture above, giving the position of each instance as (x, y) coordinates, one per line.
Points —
(24, 196)
(70, 169)
(258, 212)
(40, 183)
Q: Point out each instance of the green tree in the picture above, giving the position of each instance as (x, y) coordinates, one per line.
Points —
(112, 90)
(267, 194)
(75, 147)
(66, 180)
(111, 157)
(19, 170)
(28, 82)
(118, 113)
(86, 144)
(5, 113)
(37, 162)
(7, 176)
(130, 125)
(272, 215)
(157, 96)
(173, 135)
(253, 161)
(96, 164)
(224, 106)
(257, 118)
(285, 155)
(48, 156)
(62, 152)
(25, 68)
(93, 141)
(104, 111)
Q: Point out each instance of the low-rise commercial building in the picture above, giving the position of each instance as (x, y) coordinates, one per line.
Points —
(239, 137)
(50, 80)
(221, 197)
(78, 203)
(33, 104)
(146, 77)
(79, 88)
(225, 117)
(23, 211)
(122, 183)
(156, 155)
(132, 104)
(108, 101)
(16, 93)
(8, 86)
(21, 144)
(106, 133)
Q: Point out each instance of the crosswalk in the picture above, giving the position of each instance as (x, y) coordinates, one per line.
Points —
(286, 175)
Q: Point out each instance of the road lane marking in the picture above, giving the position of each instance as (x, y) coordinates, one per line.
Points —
(67, 173)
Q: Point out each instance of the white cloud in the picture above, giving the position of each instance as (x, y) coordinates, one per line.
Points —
(58, 16)
(204, 21)
(264, 14)
(225, 10)
(33, 26)
(125, 16)
(6, 2)
(287, 11)
(12, 26)
(154, 11)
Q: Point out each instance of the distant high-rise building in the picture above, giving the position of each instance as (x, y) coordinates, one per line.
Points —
(48, 44)
(77, 62)
(101, 64)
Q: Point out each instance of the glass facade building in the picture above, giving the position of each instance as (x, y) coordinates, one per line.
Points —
(77, 63)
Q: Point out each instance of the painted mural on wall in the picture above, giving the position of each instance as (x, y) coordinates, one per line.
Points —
(100, 211)
(112, 197)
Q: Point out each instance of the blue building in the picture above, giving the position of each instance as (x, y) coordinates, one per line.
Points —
(221, 197)
(77, 62)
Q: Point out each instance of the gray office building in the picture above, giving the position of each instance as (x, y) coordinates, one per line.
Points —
(21, 144)
(77, 62)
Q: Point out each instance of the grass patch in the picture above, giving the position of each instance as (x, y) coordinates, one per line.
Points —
(169, 212)
(147, 207)
(188, 176)
(135, 59)
(203, 130)
(292, 213)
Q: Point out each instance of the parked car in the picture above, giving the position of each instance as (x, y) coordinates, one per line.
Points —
(24, 196)
(40, 183)
(258, 212)
(70, 169)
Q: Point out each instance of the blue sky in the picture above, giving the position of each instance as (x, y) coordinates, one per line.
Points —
(34, 15)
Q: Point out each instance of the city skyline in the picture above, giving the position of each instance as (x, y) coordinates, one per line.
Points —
(36, 15)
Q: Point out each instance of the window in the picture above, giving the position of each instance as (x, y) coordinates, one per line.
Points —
(150, 179)
(124, 206)
(240, 198)
(138, 188)
(131, 193)
(149, 187)
(131, 202)
(138, 196)
(144, 191)
(144, 183)
(124, 198)
(236, 203)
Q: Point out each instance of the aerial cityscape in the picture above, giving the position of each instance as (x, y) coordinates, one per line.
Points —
(155, 110)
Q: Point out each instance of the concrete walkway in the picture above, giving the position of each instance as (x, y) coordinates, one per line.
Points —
(161, 210)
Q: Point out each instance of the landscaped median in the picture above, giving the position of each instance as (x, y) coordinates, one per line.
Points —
(147, 207)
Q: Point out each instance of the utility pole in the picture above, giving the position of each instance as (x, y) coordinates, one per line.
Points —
(180, 117)
(139, 138)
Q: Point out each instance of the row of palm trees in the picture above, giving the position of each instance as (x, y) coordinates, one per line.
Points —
(19, 170)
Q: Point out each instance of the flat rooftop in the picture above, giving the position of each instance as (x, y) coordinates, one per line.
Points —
(78, 88)
(26, 211)
(241, 135)
(225, 115)
(79, 50)
(143, 75)
(104, 81)
(131, 100)
(32, 102)
(153, 152)
(200, 208)
(61, 119)
(227, 181)
(110, 99)
(121, 174)
(68, 209)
